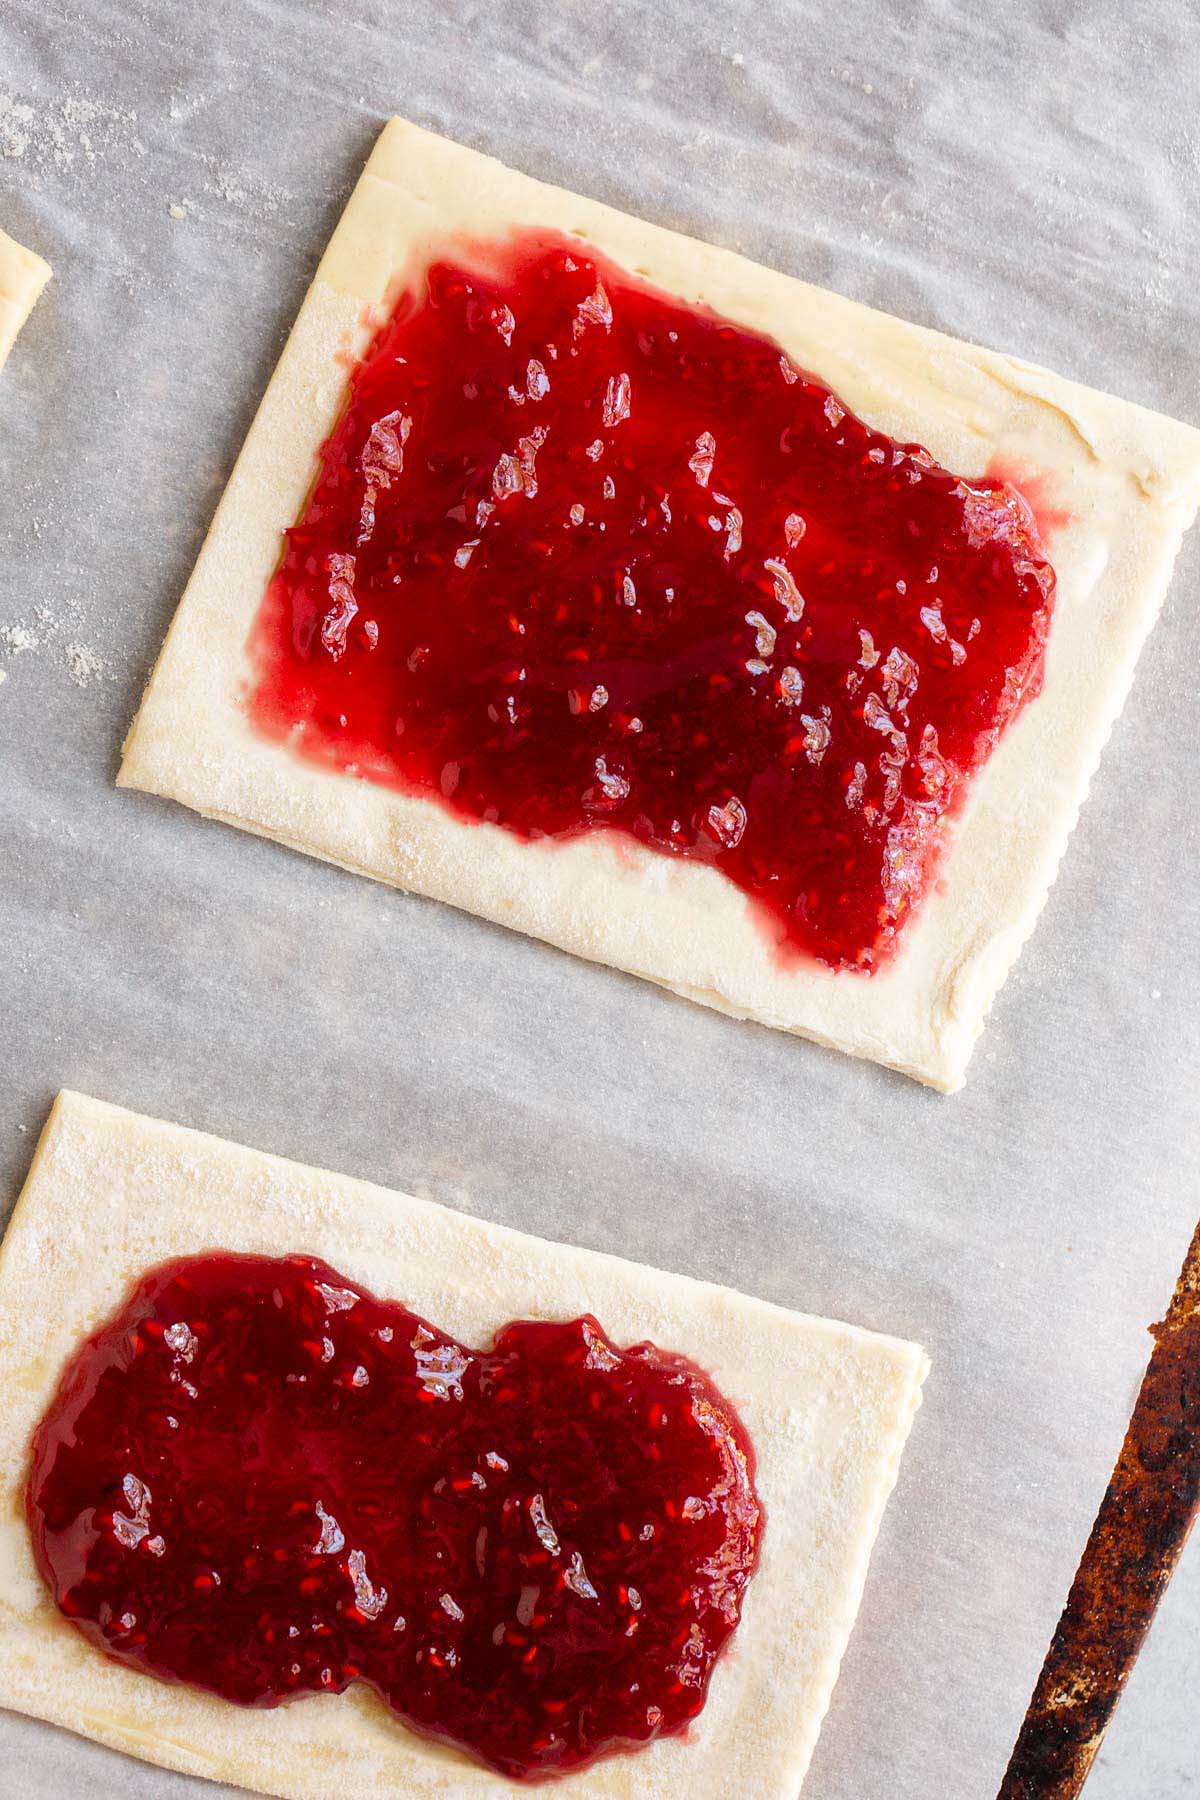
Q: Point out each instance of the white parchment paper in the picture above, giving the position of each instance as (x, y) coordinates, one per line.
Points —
(1025, 176)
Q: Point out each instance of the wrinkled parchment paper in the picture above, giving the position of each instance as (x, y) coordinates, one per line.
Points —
(1024, 176)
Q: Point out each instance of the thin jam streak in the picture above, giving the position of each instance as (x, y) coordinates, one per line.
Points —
(581, 556)
(259, 1479)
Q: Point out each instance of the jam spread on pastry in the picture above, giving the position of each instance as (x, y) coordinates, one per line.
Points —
(258, 1478)
(583, 557)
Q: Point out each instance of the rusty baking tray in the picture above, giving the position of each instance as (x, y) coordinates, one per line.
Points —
(1142, 1525)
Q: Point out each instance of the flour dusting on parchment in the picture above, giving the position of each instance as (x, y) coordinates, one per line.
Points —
(70, 132)
(16, 639)
(84, 663)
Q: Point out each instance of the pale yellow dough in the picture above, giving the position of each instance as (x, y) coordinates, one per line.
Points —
(1128, 479)
(22, 278)
(828, 1408)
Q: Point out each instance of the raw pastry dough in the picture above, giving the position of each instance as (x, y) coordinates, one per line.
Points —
(1128, 480)
(22, 278)
(828, 1408)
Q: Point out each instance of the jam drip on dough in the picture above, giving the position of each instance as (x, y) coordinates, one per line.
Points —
(581, 556)
(259, 1479)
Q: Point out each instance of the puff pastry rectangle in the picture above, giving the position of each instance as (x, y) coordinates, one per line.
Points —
(1127, 481)
(23, 275)
(828, 1408)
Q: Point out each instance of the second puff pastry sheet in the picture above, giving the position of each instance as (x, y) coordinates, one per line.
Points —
(828, 1408)
(1127, 480)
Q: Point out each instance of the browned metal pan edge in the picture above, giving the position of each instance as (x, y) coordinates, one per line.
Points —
(1135, 1543)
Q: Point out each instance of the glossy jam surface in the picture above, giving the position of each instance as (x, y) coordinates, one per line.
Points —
(581, 556)
(259, 1479)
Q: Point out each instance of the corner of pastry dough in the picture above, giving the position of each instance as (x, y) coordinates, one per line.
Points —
(23, 275)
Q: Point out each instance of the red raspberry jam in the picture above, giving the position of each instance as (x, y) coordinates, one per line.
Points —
(258, 1478)
(580, 556)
